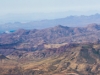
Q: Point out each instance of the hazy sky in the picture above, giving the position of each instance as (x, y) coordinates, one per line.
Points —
(47, 6)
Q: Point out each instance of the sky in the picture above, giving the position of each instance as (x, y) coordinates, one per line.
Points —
(47, 6)
(55, 7)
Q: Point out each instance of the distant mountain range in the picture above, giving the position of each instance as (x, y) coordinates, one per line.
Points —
(72, 21)
(39, 39)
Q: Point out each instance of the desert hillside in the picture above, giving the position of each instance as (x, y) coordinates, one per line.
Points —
(59, 50)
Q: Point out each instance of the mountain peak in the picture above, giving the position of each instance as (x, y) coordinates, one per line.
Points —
(2, 56)
(61, 26)
(93, 26)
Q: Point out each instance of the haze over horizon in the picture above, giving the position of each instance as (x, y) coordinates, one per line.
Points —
(29, 10)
